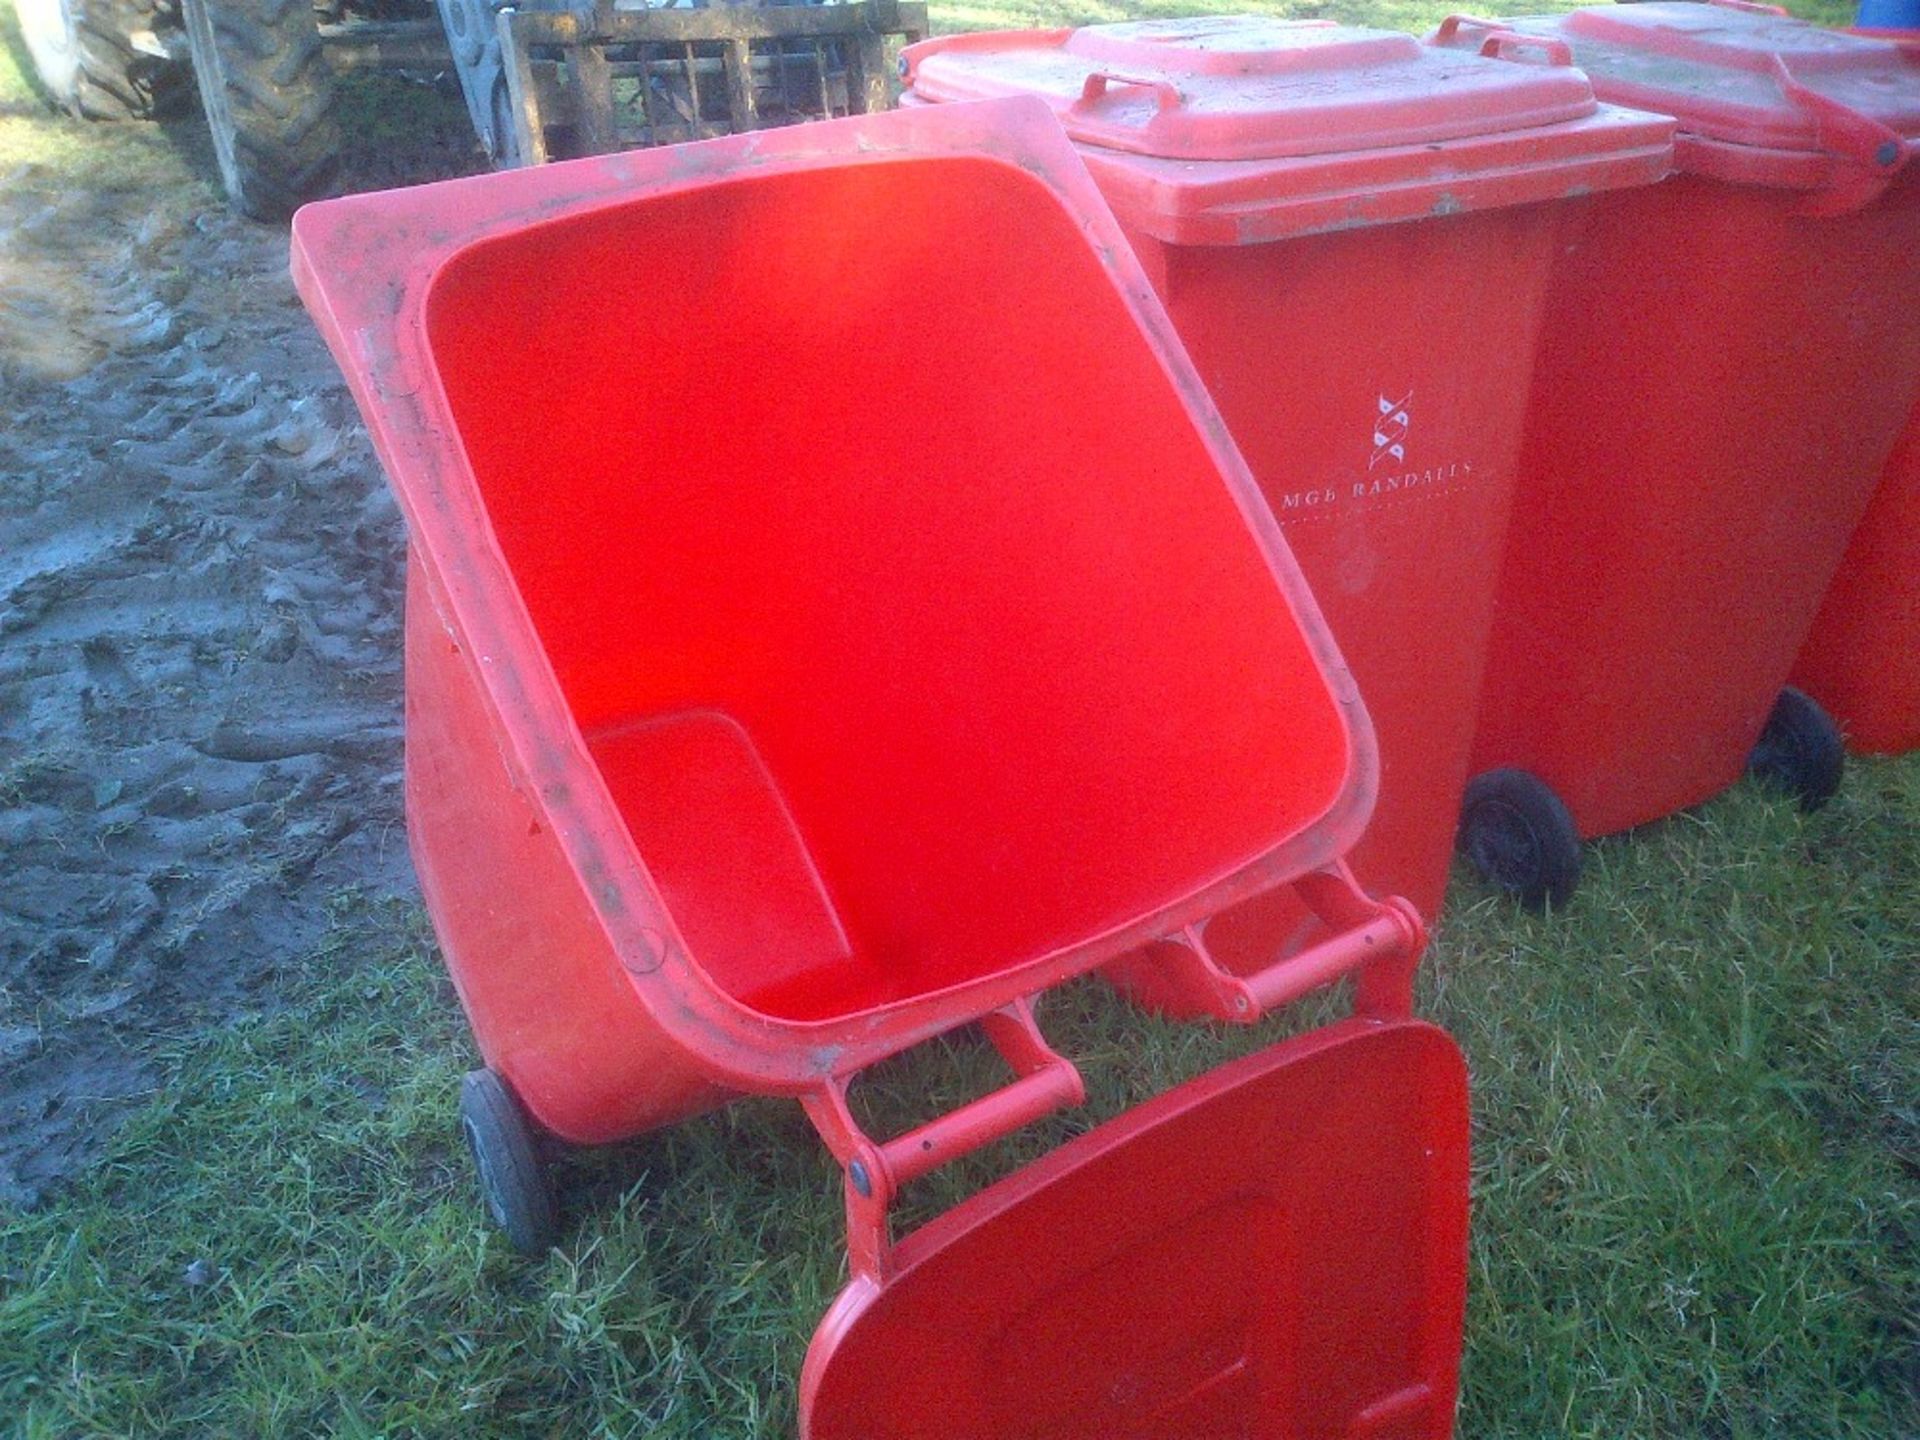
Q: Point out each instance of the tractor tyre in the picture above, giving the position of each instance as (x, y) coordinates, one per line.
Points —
(267, 90)
(105, 59)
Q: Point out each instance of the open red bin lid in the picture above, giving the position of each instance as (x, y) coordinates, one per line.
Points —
(1299, 124)
(1277, 1248)
(1761, 98)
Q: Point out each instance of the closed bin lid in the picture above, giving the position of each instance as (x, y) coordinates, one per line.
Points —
(1271, 127)
(1275, 1249)
(1760, 97)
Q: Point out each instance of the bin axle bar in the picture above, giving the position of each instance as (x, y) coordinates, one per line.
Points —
(1379, 940)
(875, 1170)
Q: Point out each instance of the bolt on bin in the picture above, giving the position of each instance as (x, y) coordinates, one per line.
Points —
(864, 625)
(1352, 233)
(1726, 361)
(1861, 662)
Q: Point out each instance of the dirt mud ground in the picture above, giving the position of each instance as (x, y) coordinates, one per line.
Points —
(200, 587)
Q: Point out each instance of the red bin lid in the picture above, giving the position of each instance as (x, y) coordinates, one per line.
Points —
(1275, 1249)
(1740, 77)
(1246, 87)
(1372, 121)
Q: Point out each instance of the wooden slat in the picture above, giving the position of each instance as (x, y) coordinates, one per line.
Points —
(740, 86)
(530, 134)
(593, 98)
(387, 45)
(869, 88)
(720, 22)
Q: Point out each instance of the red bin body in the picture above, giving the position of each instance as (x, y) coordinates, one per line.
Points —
(1352, 234)
(836, 615)
(1726, 361)
(1862, 658)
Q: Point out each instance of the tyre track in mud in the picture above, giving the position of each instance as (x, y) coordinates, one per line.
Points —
(200, 588)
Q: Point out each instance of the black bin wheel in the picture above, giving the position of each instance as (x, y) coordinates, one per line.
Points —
(1519, 835)
(506, 1152)
(1800, 752)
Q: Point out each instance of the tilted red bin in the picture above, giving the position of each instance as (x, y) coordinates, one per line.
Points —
(1352, 233)
(1726, 362)
(835, 615)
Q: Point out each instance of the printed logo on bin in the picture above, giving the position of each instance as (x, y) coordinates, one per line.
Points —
(1390, 428)
(1388, 476)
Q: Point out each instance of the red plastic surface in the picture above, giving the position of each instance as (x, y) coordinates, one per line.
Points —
(1720, 382)
(863, 623)
(1761, 98)
(1277, 1249)
(1244, 87)
(1375, 378)
(1302, 125)
(1387, 452)
(1862, 659)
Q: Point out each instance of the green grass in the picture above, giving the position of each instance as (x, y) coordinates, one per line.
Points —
(1695, 1197)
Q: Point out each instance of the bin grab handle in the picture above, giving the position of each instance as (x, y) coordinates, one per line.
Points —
(876, 1169)
(1503, 42)
(1166, 95)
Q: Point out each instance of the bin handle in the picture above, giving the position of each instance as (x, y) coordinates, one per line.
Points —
(1870, 153)
(1503, 42)
(1166, 95)
(876, 1169)
(1458, 21)
(1508, 45)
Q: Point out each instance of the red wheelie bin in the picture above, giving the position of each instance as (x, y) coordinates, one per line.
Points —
(862, 625)
(1726, 362)
(1862, 660)
(1352, 233)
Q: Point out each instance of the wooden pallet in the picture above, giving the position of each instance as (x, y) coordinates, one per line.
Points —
(584, 82)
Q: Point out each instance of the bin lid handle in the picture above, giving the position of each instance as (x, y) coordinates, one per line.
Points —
(1459, 21)
(1510, 44)
(1166, 94)
(1503, 42)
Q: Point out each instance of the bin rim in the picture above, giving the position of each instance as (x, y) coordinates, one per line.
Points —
(365, 266)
